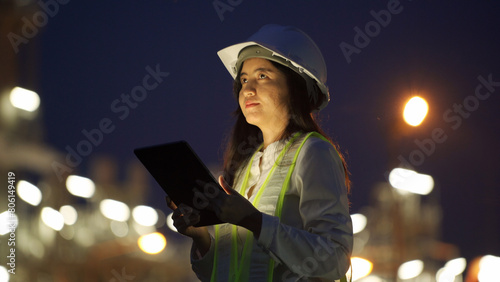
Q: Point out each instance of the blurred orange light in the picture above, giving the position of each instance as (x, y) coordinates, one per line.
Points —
(152, 243)
(362, 268)
(415, 111)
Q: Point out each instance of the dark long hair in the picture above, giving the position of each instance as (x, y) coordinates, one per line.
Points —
(246, 138)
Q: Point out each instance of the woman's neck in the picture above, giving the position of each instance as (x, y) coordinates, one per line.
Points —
(272, 135)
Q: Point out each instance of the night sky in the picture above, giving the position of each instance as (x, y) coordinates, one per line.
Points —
(92, 52)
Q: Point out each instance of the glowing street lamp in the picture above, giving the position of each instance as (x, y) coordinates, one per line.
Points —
(415, 111)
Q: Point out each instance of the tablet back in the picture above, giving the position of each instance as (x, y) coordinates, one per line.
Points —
(183, 176)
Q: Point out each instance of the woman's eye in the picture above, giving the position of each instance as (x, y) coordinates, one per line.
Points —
(262, 76)
(244, 80)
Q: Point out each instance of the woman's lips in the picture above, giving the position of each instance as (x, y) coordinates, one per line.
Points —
(251, 104)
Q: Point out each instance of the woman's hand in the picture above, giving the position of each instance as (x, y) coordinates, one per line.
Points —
(236, 209)
(185, 218)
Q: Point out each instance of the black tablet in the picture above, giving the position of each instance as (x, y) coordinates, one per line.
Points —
(183, 176)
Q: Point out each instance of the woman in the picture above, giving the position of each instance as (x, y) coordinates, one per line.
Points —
(288, 214)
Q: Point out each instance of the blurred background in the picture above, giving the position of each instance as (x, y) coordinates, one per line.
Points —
(83, 83)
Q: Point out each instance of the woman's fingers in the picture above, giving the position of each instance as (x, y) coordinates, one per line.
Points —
(186, 214)
(183, 214)
(186, 220)
(229, 207)
(170, 203)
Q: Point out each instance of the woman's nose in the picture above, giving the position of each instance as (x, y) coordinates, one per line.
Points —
(249, 88)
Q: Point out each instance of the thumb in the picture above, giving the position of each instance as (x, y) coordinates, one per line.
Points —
(225, 186)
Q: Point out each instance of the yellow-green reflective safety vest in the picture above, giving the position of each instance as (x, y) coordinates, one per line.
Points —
(269, 200)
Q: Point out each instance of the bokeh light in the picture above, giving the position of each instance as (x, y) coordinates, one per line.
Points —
(152, 243)
(489, 269)
(410, 269)
(358, 222)
(170, 222)
(114, 210)
(4, 274)
(456, 266)
(29, 193)
(415, 111)
(411, 181)
(80, 186)
(120, 229)
(69, 214)
(363, 268)
(52, 218)
(145, 215)
(7, 219)
(24, 99)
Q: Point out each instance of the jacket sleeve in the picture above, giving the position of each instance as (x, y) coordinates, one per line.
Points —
(202, 267)
(323, 246)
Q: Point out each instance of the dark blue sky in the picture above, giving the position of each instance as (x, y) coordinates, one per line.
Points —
(93, 52)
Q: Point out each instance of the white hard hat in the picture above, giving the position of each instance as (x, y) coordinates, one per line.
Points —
(286, 45)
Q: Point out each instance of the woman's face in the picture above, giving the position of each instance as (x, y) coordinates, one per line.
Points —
(264, 94)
